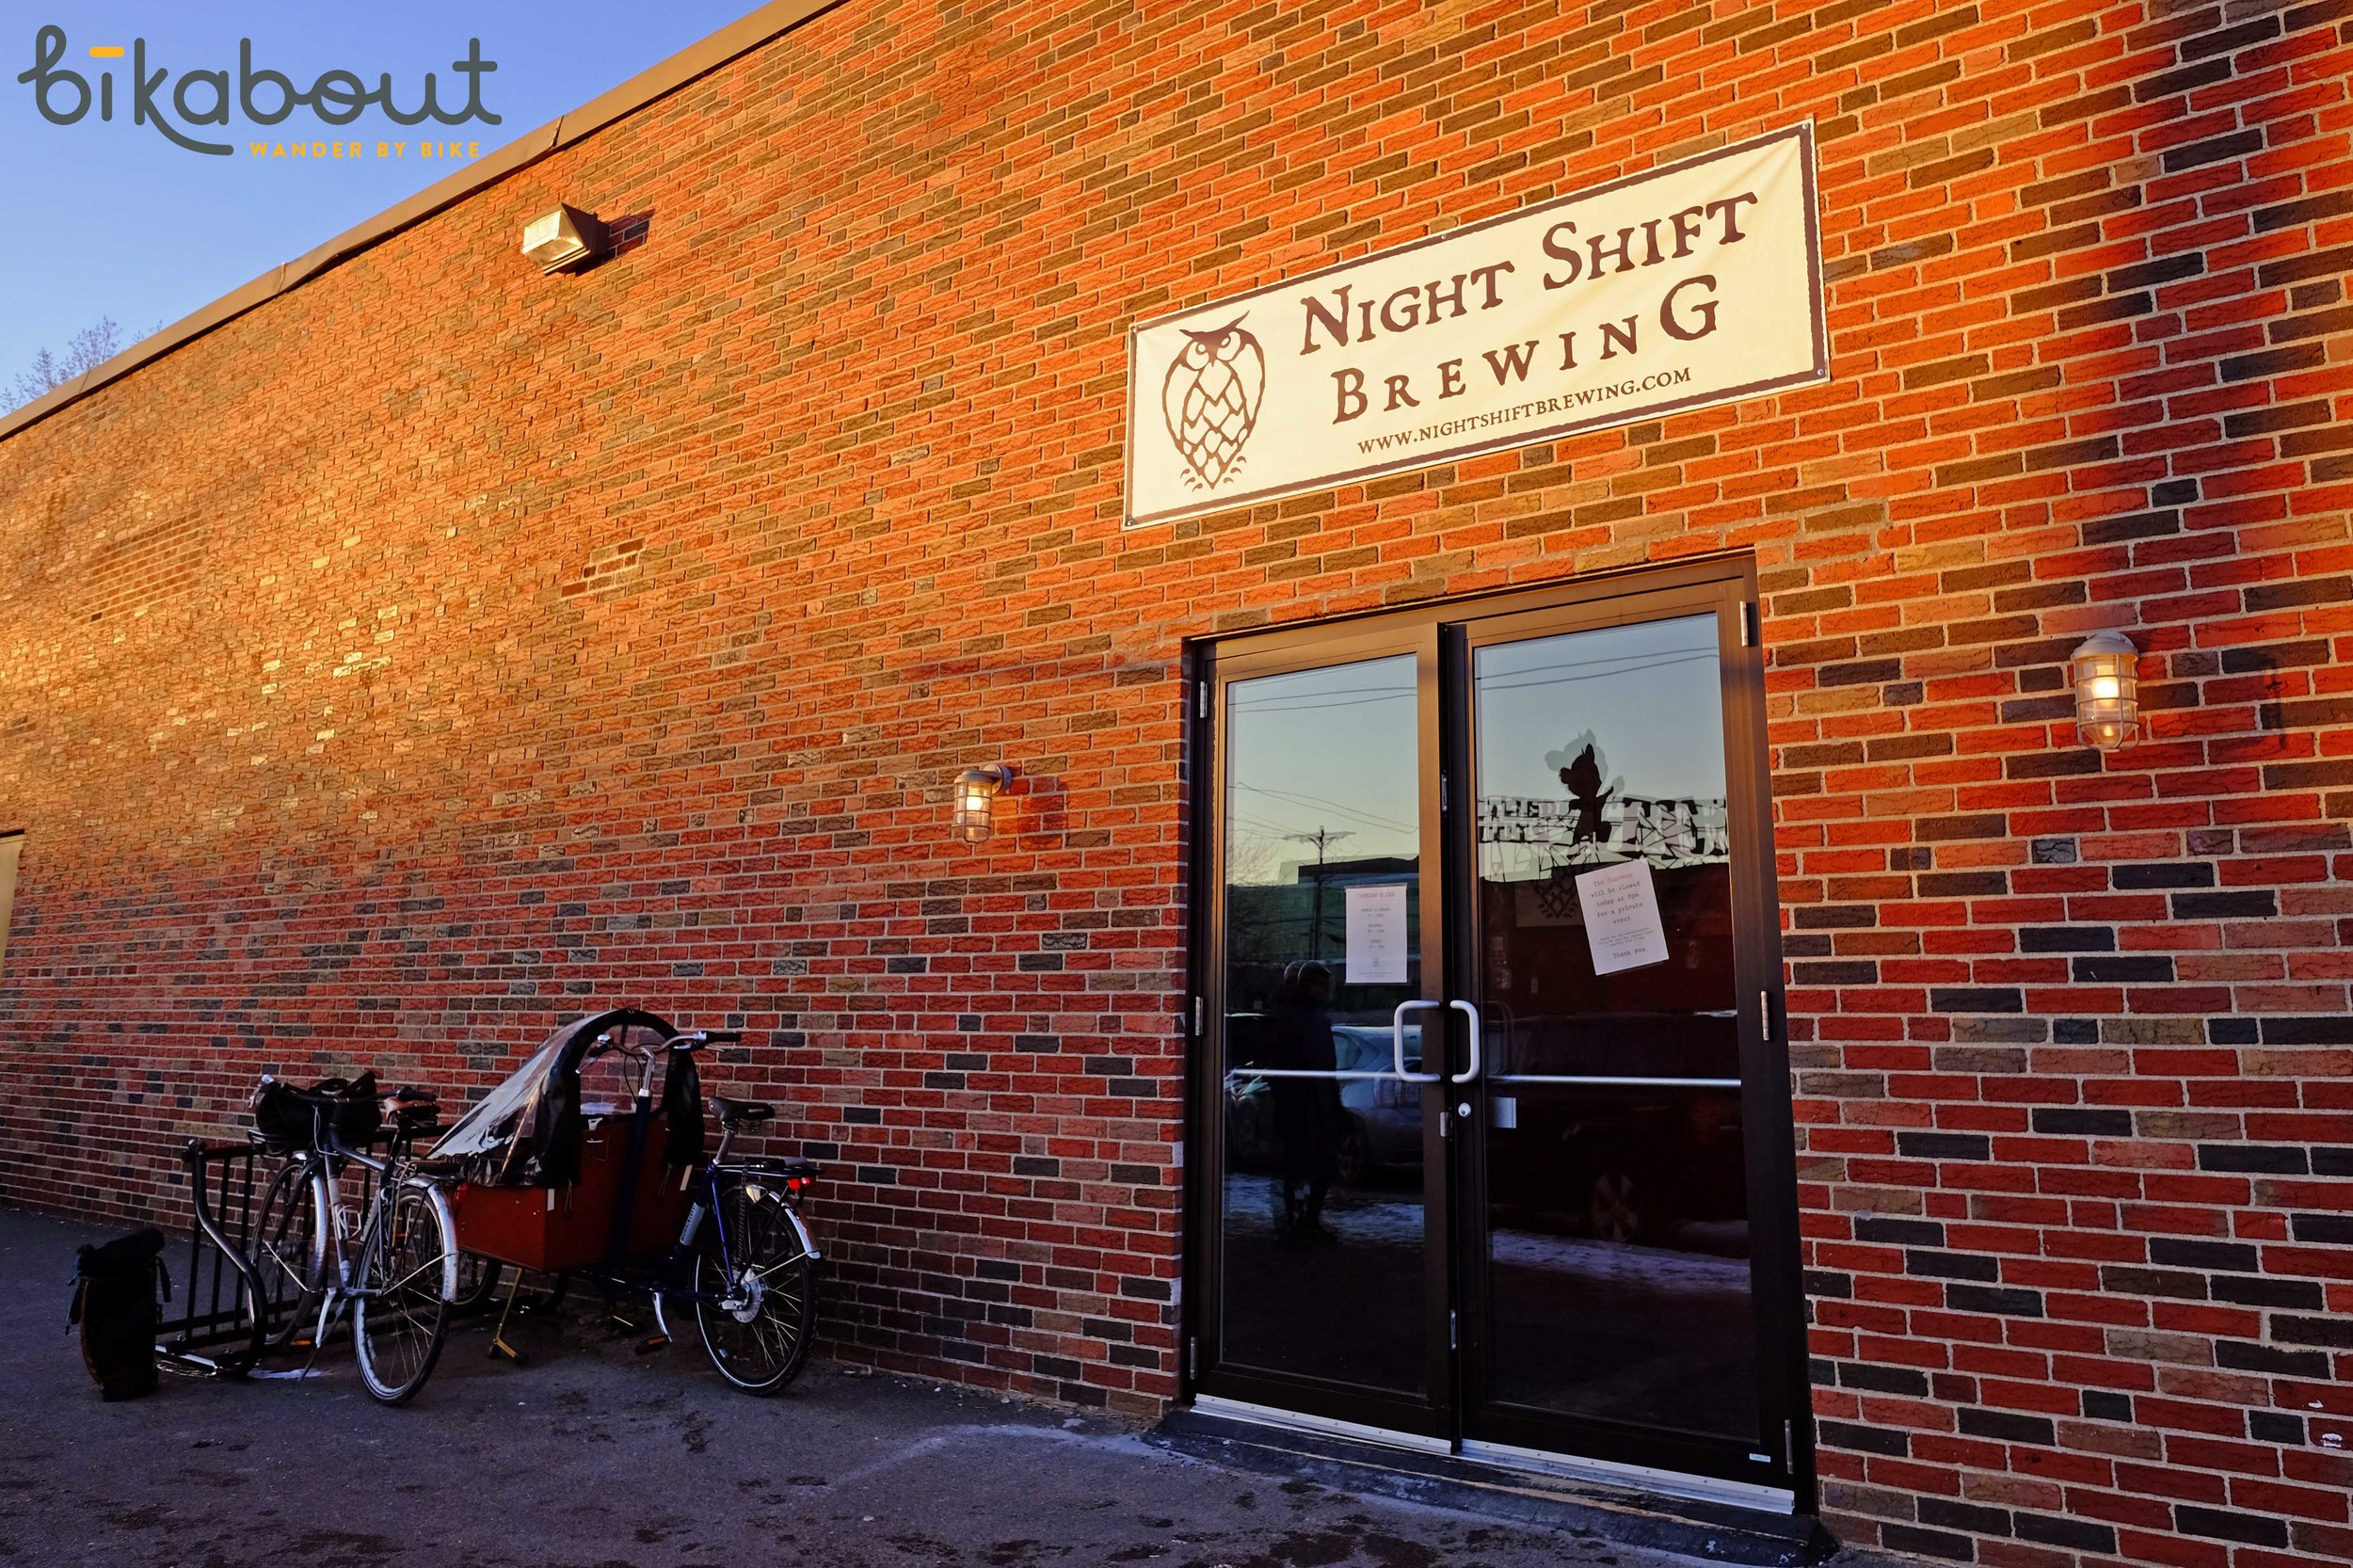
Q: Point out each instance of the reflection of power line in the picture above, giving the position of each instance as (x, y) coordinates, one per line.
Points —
(1293, 696)
(1310, 806)
(1507, 683)
(1345, 809)
(1329, 679)
(1629, 664)
(1255, 709)
(1484, 661)
(1239, 697)
(1259, 825)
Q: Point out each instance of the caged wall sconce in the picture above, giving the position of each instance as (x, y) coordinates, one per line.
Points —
(976, 798)
(2107, 692)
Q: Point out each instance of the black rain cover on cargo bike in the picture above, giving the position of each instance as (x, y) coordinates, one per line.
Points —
(527, 1131)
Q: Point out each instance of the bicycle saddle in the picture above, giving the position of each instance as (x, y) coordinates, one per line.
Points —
(731, 1112)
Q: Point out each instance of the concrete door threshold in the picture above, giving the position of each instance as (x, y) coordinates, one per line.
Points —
(1713, 1531)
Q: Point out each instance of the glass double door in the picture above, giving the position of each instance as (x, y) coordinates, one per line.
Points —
(1497, 1125)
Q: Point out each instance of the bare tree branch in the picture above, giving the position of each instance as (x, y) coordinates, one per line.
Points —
(85, 351)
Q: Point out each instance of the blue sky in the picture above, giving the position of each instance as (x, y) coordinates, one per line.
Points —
(111, 219)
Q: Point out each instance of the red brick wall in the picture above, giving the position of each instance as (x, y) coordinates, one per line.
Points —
(442, 649)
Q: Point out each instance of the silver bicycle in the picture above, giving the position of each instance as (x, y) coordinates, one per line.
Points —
(384, 1252)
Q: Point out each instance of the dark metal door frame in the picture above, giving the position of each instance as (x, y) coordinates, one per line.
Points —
(1433, 1416)
(1767, 1116)
(1440, 634)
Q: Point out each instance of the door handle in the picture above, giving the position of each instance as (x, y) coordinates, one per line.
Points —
(1397, 1042)
(1470, 1014)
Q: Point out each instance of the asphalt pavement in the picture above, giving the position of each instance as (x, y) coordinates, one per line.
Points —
(594, 1457)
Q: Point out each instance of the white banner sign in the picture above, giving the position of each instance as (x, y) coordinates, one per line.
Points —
(1695, 283)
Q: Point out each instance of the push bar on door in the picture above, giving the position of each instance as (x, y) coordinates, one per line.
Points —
(1396, 1046)
(1397, 1042)
(1470, 1073)
(1397, 1053)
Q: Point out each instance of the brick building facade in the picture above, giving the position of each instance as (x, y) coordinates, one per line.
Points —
(417, 650)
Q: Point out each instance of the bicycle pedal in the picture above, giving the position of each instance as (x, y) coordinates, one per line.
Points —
(653, 1342)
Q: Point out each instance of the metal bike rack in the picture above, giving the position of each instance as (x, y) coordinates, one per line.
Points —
(211, 1326)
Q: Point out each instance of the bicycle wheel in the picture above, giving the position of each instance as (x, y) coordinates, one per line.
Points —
(756, 1306)
(288, 1252)
(400, 1318)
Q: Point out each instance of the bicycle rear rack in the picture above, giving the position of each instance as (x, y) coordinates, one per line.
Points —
(216, 1331)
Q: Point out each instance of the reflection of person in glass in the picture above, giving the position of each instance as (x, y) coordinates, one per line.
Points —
(1307, 1112)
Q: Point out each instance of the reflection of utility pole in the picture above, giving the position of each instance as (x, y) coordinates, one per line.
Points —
(1323, 838)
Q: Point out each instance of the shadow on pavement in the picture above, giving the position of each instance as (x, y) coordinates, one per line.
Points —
(594, 1457)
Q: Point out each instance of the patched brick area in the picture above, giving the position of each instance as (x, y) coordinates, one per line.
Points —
(441, 648)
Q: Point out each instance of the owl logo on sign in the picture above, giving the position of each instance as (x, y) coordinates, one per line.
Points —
(1210, 400)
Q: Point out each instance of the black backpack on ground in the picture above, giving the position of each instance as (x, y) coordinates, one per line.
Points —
(115, 1291)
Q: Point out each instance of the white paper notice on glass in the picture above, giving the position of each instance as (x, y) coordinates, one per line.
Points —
(1376, 935)
(1622, 924)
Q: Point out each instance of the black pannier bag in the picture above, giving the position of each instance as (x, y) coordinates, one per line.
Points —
(684, 1142)
(282, 1117)
(285, 1116)
(362, 1114)
(115, 1287)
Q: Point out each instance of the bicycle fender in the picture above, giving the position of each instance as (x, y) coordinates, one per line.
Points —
(432, 1190)
(808, 1243)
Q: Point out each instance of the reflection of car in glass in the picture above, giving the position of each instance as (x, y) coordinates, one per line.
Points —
(1249, 1103)
(1383, 1115)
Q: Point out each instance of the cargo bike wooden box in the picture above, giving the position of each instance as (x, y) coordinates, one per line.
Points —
(589, 1163)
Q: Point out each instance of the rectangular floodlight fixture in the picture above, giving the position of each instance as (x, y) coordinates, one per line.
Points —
(565, 237)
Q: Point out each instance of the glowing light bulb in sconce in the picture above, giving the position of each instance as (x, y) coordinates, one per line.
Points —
(2107, 692)
(977, 790)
